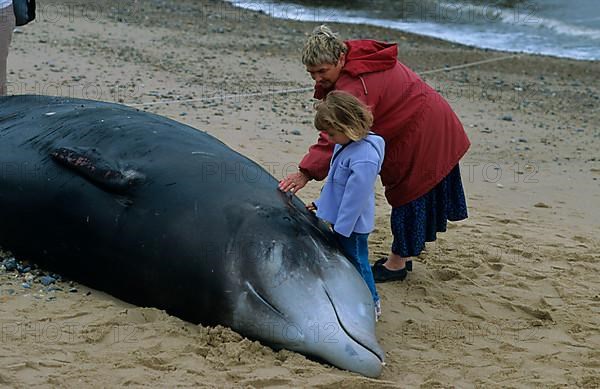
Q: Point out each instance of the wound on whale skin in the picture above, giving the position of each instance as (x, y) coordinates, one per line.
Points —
(90, 164)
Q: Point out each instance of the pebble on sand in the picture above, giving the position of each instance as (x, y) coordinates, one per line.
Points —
(47, 280)
(10, 264)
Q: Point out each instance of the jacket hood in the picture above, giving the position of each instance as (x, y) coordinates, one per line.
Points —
(367, 56)
(378, 144)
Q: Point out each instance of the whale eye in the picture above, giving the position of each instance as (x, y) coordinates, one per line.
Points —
(287, 219)
(262, 213)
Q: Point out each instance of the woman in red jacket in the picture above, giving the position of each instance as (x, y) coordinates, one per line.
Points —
(424, 141)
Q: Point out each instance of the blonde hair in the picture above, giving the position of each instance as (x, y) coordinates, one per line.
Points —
(343, 112)
(323, 46)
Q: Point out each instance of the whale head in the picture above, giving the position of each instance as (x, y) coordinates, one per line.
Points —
(296, 290)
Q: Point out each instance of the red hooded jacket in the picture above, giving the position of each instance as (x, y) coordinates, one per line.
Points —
(423, 137)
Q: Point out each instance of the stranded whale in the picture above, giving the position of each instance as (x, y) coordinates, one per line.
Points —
(160, 214)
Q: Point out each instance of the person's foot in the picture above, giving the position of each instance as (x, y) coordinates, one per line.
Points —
(382, 274)
(382, 261)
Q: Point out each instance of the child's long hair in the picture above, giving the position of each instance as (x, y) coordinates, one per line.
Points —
(345, 113)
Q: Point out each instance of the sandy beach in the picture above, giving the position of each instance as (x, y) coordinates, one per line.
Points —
(508, 298)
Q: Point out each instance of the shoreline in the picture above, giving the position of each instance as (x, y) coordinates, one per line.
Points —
(298, 12)
(508, 297)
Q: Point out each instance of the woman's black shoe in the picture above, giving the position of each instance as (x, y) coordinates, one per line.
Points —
(381, 274)
(381, 261)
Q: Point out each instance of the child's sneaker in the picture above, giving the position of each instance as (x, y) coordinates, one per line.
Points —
(377, 310)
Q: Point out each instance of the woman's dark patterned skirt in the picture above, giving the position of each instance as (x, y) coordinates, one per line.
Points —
(419, 221)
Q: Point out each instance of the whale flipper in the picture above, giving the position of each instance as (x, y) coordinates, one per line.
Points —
(90, 164)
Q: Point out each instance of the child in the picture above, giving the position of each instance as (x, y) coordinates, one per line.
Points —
(347, 200)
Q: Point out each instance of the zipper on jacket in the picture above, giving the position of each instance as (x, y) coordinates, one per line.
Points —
(364, 85)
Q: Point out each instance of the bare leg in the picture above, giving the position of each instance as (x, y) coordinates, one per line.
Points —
(7, 24)
(395, 262)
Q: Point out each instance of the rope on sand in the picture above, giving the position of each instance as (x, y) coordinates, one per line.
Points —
(468, 65)
(310, 88)
(226, 97)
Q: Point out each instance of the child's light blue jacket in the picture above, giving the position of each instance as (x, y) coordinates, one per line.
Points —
(348, 198)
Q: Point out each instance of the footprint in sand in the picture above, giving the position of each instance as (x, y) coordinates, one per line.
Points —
(446, 274)
(266, 383)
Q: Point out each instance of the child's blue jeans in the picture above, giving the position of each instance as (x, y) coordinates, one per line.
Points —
(356, 249)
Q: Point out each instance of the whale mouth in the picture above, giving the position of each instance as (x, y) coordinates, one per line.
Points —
(355, 349)
(348, 332)
(263, 300)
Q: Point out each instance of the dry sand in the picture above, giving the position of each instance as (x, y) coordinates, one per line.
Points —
(508, 298)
